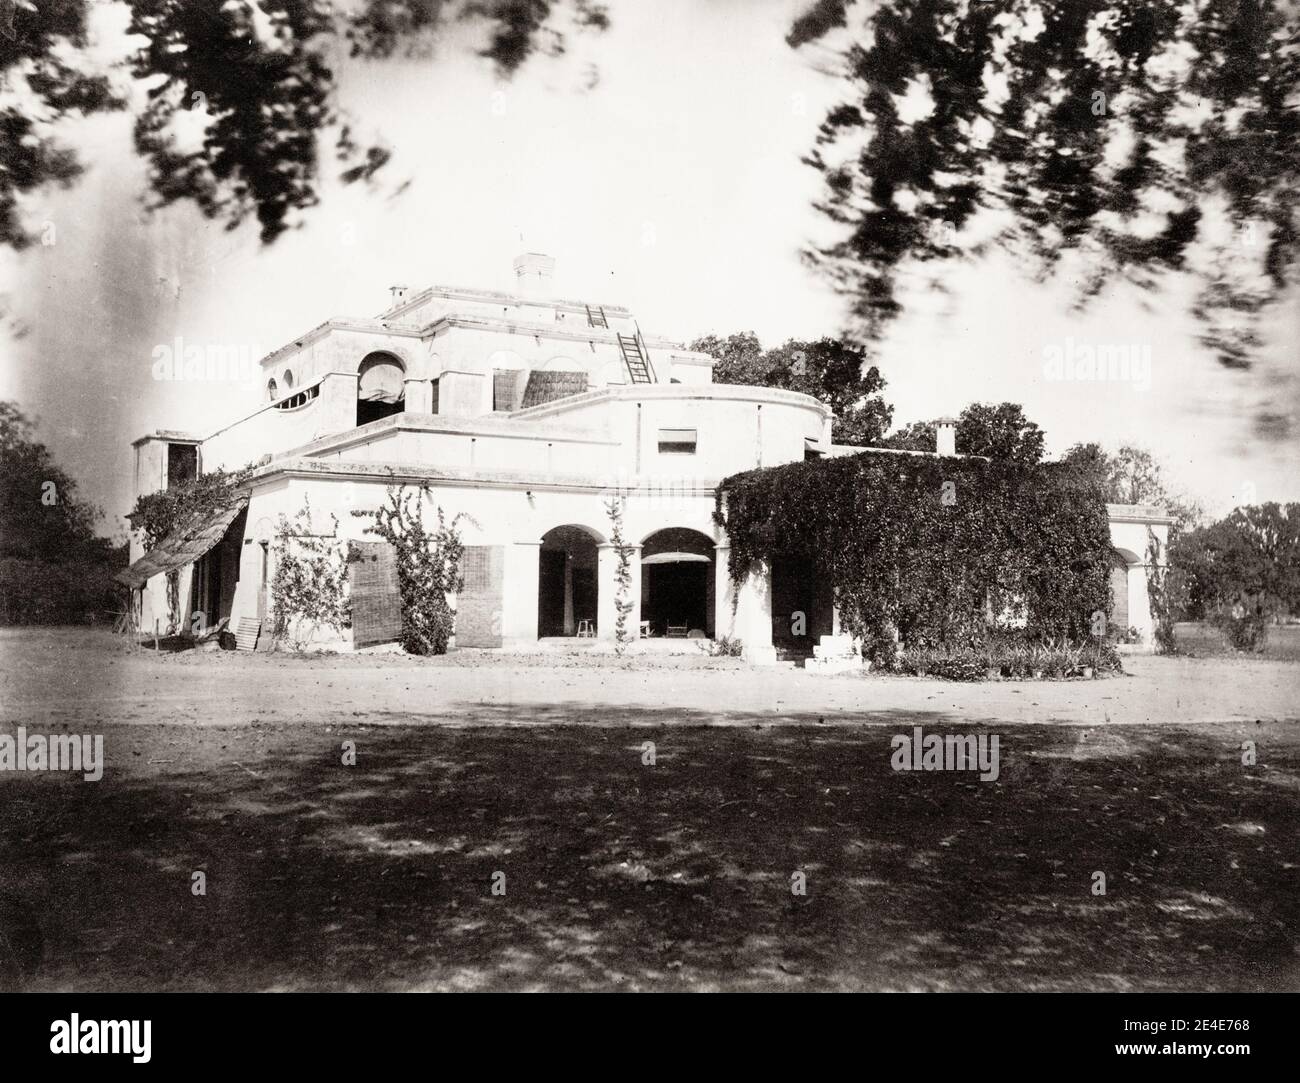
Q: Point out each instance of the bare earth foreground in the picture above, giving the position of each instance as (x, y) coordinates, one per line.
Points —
(620, 874)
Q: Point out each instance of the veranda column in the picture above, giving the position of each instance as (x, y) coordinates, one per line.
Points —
(744, 611)
(1139, 604)
(607, 592)
(1139, 598)
(724, 595)
(519, 596)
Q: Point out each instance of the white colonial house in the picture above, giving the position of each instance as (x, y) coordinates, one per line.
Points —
(526, 413)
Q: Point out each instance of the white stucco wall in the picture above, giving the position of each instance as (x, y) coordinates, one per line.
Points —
(1131, 527)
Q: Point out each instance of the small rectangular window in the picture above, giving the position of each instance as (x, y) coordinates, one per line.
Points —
(676, 441)
(433, 395)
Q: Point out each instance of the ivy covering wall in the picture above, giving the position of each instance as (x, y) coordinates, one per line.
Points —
(934, 550)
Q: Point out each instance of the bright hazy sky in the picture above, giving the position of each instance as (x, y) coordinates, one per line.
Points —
(673, 185)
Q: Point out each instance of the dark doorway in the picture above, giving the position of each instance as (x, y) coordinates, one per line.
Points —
(677, 582)
(801, 605)
(216, 575)
(567, 593)
(676, 596)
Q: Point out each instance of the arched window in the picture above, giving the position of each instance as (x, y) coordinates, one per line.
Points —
(288, 380)
(272, 389)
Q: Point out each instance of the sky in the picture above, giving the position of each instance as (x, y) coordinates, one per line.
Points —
(659, 163)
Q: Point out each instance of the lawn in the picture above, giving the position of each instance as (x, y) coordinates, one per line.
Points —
(1205, 641)
(676, 875)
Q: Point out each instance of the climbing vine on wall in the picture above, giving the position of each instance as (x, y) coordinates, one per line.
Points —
(1166, 596)
(309, 588)
(428, 566)
(156, 515)
(622, 575)
(927, 550)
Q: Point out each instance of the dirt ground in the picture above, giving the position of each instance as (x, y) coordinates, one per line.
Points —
(72, 676)
(623, 874)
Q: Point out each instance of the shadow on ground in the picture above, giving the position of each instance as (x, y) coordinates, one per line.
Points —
(671, 876)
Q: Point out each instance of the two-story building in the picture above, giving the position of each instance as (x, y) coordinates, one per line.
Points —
(526, 414)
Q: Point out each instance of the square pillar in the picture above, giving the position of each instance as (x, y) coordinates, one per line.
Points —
(519, 594)
(419, 396)
(607, 592)
(744, 611)
(1139, 605)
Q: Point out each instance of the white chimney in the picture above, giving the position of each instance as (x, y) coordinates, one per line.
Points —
(535, 273)
(945, 436)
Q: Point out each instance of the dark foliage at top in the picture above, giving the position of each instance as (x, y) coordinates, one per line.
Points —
(1116, 129)
(258, 70)
(28, 158)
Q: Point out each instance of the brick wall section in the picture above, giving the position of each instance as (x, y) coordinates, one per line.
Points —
(478, 605)
(506, 389)
(376, 603)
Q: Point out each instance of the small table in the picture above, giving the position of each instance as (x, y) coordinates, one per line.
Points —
(645, 629)
(585, 630)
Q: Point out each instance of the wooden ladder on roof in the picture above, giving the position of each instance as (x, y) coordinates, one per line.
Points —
(596, 317)
(634, 356)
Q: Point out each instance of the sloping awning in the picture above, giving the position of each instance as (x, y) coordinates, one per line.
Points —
(675, 558)
(543, 387)
(195, 538)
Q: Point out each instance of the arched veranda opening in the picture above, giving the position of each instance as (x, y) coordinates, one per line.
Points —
(381, 387)
(567, 591)
(677, 584)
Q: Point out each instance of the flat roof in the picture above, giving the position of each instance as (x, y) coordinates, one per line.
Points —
(171, 435)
